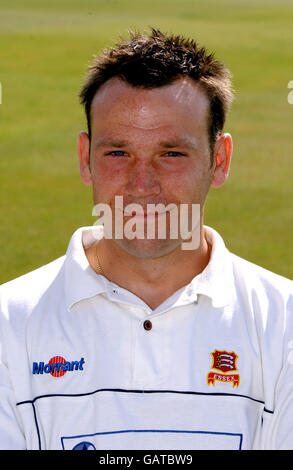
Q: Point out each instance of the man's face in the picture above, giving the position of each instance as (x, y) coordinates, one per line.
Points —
(149, 146)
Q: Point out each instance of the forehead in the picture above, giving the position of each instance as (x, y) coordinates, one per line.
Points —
(182, 103)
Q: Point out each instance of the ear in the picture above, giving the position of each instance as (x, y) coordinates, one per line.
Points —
(222, 159)
(84, 158)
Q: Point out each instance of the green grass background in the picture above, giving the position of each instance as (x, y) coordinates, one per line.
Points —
(44, 50)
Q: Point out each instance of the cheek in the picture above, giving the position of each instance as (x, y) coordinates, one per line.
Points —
(107, 178)
(189, 186)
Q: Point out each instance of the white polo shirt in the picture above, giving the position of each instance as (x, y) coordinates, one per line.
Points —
(211, 369)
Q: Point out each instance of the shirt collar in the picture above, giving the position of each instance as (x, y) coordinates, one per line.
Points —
(81, 282)
(216, 281)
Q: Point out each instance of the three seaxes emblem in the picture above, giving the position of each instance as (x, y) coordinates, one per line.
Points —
(224, 362)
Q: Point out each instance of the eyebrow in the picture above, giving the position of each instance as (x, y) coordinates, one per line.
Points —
(180, 142)
(106, 142)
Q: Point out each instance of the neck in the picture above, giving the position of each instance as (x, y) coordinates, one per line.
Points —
(151, 279)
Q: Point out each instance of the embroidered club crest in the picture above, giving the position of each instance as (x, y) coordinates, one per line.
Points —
(225, 362)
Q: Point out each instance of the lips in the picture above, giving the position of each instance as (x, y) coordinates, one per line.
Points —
(145, 214)
(143, 211)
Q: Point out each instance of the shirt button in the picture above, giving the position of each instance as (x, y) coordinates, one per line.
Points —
(147, 325)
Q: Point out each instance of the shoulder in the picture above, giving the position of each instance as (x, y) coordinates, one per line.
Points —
(267, 294)
(24, 292)
(256, 277)
(252, 273)
(245, 277)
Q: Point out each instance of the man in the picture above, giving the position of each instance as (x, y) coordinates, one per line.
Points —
(134, 342)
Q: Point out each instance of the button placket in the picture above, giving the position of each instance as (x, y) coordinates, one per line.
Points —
(148, 354)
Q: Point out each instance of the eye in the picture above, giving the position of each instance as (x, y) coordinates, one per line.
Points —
(117, 153)
(174, 154)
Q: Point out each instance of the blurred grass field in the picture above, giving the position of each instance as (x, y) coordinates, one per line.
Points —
(44, 50)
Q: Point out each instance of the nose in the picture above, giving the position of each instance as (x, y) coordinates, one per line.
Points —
(143, 180)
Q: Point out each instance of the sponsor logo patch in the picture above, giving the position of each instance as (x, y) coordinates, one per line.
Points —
(57, 366)
(224, 362)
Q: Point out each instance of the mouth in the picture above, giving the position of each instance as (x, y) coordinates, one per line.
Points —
(145, 214)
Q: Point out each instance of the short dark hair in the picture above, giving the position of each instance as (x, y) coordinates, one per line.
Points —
(156, 59)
